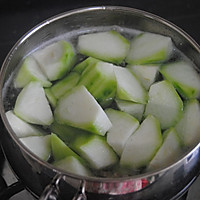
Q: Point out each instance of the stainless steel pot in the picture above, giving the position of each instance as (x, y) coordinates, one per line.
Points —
(167, 183)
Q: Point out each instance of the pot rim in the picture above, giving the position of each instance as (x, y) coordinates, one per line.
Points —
(63, 15)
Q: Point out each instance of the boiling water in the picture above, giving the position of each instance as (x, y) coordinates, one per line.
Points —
(10, 92)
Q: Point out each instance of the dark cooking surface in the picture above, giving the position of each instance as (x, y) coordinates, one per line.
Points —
(18, 16)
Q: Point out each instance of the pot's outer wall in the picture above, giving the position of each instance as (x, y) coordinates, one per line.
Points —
(36, 176)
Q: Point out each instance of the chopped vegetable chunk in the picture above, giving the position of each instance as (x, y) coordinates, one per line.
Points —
(39, 145)
(188, 128)
(32, 105)
(142, 145)
(149, 48)
(164, 103)
(79, 108)
(108, 46)
(129, 87)
(184, 77)
(168, 152)
(30, 71)
(123, 126)
(56, 59)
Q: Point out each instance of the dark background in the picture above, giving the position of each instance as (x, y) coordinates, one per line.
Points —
(18, 16)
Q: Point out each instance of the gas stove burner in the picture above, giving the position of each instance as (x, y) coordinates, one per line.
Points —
(8, 191)
(3, 185)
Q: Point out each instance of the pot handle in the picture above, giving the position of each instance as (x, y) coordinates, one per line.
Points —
(52, 191)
